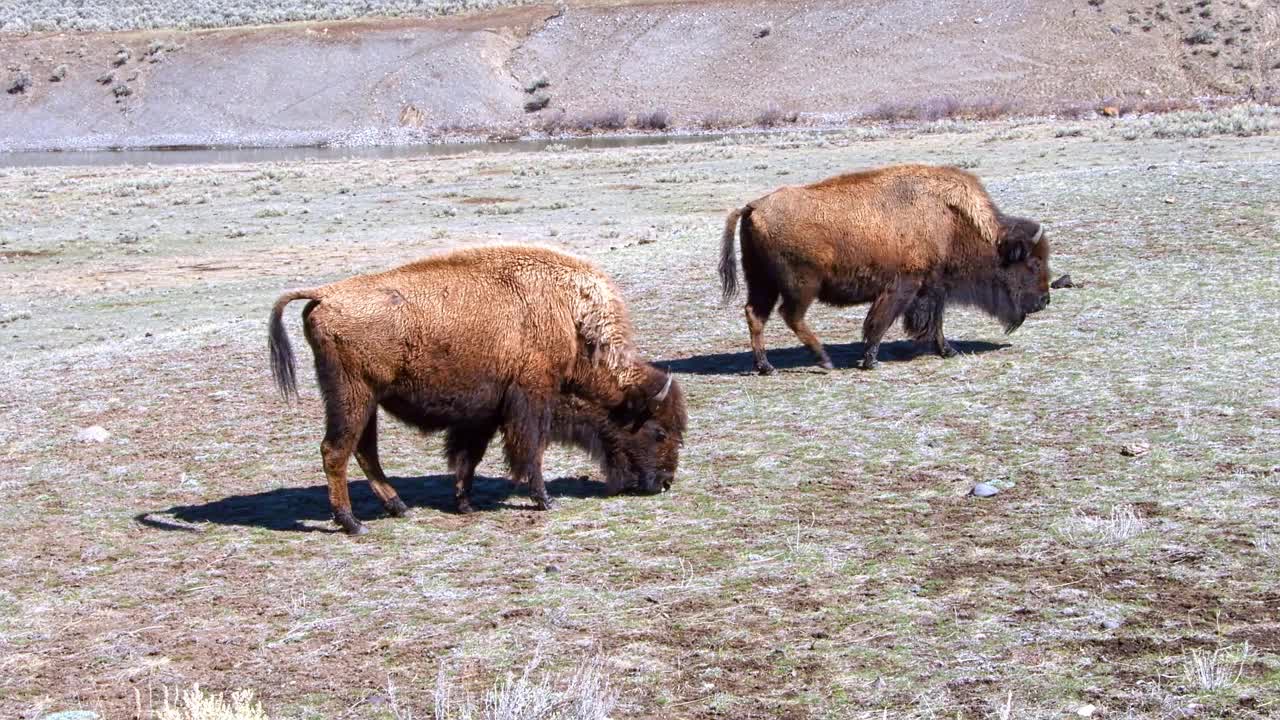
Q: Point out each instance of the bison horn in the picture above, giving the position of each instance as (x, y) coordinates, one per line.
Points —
(662, 394)
(1039, 234)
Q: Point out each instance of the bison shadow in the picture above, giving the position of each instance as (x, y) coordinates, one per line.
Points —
(288, 509)
(799, 358)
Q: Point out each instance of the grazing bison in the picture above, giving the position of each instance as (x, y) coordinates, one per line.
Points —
(523, 340)
(909, 239)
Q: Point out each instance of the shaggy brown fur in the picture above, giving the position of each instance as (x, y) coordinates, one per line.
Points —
(522, 340)
(907, 239)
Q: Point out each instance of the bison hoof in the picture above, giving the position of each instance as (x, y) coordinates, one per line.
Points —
(396, 507)
(826, 364)
(947, 351)
(349, 524)
(544, 503)
(870, 363)
(465, 508)
(765, 369)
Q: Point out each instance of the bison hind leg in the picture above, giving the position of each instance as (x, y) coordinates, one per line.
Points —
(793, 311)
(367, 456)
(346, 415)
(762, 296)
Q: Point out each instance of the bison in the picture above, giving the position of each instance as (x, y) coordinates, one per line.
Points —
(909, 239)
(522, 340)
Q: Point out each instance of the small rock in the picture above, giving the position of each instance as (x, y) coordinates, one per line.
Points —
(93, 434)
(983, 490)
(1137, 449)
(1111, 624)
(72, 715)
(1169, 201)
(1085, 711)
(1062, 282)
(552, 569)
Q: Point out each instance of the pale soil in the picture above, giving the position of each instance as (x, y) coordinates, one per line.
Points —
(720, 63)
(817, 556)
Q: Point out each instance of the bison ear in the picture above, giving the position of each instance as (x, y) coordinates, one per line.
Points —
(644, 400)
(634, 410)
(1020, 236)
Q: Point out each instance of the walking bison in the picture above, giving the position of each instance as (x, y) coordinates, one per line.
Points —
(522, 340)
(909, 239)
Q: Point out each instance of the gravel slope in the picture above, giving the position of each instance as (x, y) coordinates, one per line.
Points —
(719, 62)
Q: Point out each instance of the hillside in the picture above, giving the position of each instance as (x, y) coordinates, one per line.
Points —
(711, 64)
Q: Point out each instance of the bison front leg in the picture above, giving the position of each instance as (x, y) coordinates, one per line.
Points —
(464, 448)
(525, 435)
(939, 340)
(886, 308)
(922, 320)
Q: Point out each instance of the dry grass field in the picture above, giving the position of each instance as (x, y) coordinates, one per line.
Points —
(819, 555)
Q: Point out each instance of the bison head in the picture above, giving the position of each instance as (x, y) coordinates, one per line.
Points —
(637, 443)
(653, 420)
(1023, 277)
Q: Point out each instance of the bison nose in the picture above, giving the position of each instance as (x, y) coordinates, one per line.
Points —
(1044, 301)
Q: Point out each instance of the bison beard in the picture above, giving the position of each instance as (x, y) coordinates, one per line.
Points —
(523, 341)
(909, 239)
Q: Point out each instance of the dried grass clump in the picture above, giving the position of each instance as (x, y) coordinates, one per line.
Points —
(773, 116)
(1240, 120)
(1221, 669)
(19, 83)
(1146, 106)
(1122, 525)
(654, 120)
(1076, 110)
(603, 120)
(941, 108)
(586, 696)
(196, 704)
(715, 121)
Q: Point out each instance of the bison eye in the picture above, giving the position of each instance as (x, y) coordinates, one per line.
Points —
(660, 435)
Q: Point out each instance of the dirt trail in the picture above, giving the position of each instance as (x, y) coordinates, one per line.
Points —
(719, 61)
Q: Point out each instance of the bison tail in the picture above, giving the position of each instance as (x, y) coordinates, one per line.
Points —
(728, 258)
(282, 365)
